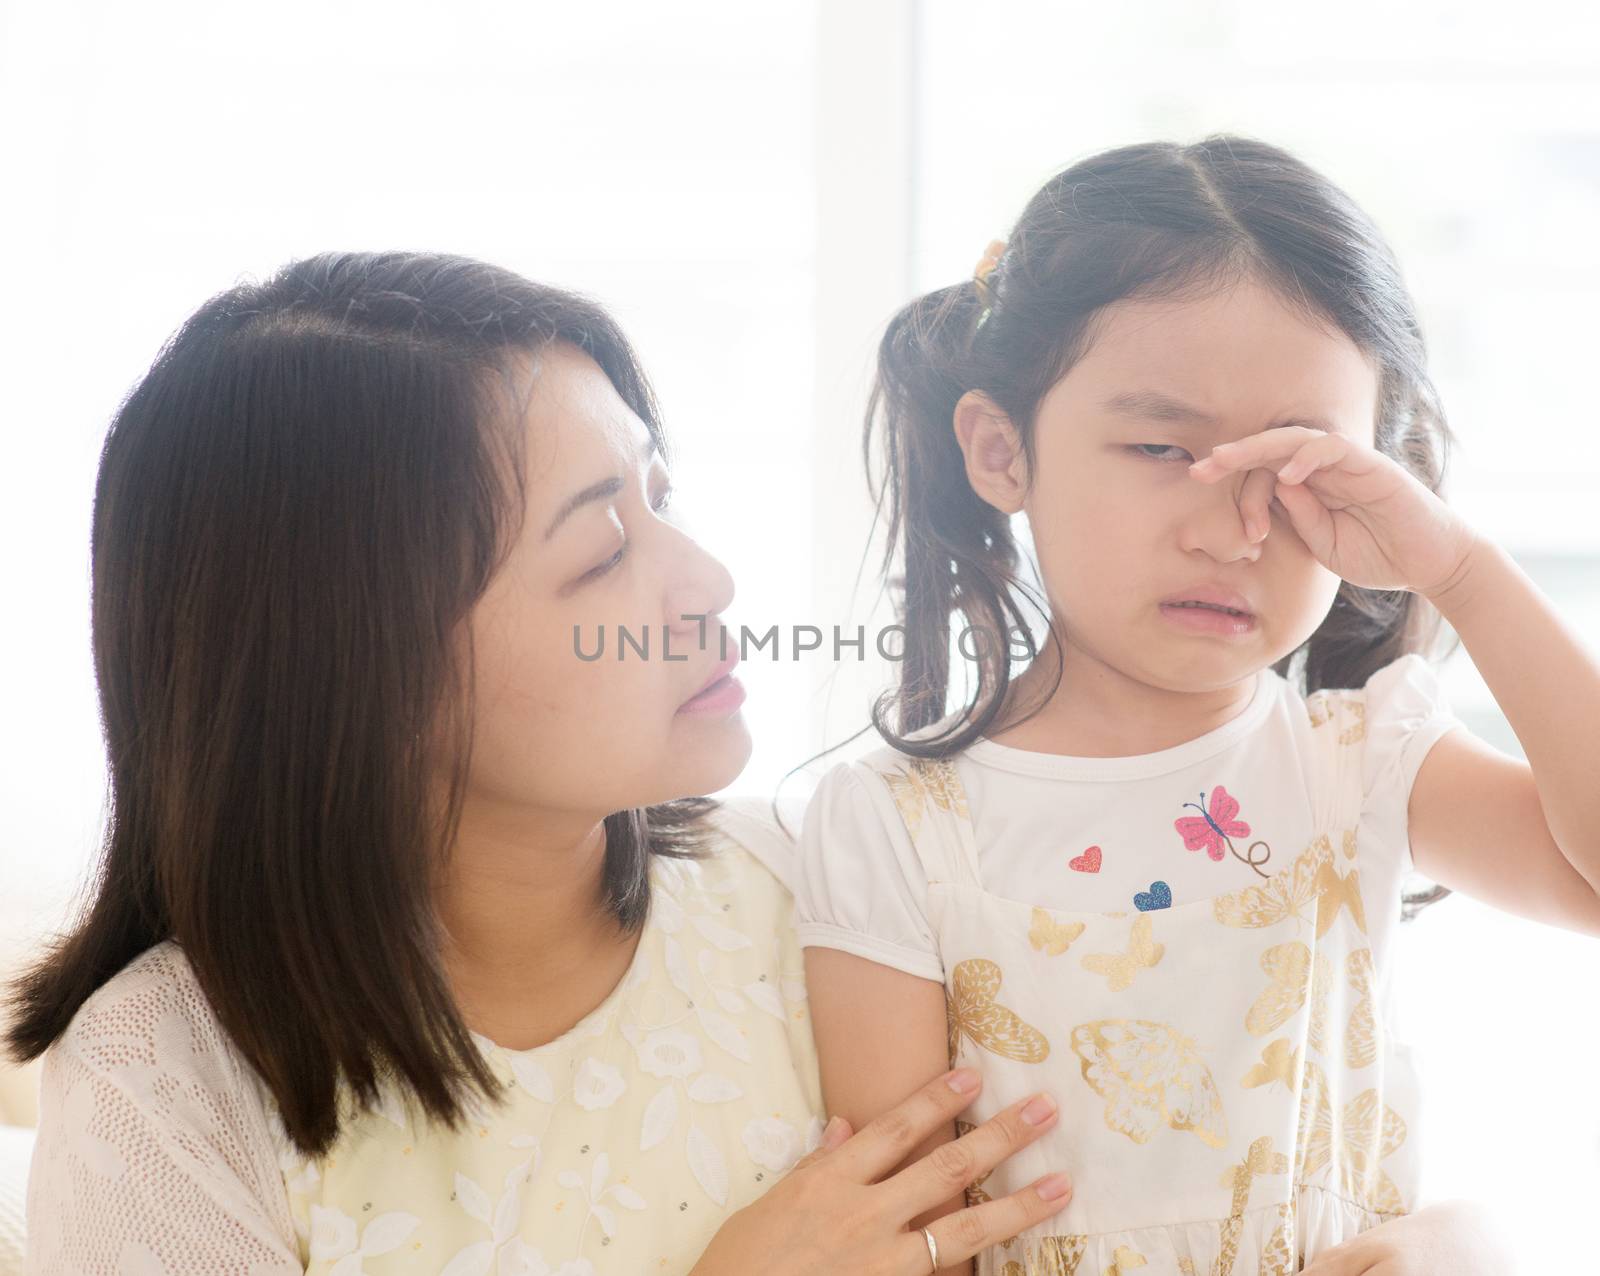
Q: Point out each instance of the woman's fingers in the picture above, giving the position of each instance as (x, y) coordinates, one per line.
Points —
(966, 1232)
(886, 1140)
(834, 1133)
(951, 1167)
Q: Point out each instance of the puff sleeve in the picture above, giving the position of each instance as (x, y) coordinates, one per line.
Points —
(859, 884)
(1407, 712)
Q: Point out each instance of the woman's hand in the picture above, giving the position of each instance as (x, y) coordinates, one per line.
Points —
(1453, 1238)
(1364, 516)
(832, 1214)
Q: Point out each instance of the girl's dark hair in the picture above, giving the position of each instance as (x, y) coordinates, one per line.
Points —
(1155, 220)
(295, 511)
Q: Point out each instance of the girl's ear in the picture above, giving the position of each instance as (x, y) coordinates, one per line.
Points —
(997, 466)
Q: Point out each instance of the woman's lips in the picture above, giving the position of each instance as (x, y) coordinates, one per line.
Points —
(722, 697)
(722, 692)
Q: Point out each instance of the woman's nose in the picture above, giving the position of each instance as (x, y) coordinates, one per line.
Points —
(700, 587)
(1214, 523)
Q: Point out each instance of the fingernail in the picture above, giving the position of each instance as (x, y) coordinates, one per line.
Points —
(1039, 1109)
(963, 1080)
(1053, 1186)
(834, 1128)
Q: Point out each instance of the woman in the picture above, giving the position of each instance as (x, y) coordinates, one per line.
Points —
(412, 949)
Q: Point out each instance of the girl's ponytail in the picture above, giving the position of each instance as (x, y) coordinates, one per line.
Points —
(958, 551)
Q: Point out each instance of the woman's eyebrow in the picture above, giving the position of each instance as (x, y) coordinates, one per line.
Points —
(1152, 405)
(596, 491)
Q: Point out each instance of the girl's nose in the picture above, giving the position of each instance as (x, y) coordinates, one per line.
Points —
(1214, 524)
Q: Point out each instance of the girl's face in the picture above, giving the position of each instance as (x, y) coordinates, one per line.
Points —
(1119, 525)
(599, 548)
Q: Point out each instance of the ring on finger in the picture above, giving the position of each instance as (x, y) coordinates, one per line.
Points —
(933, 1249)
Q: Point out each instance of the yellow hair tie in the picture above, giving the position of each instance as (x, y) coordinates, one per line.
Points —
(985, 268)
(980, 274)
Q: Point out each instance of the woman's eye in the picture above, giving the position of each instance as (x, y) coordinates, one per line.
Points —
(606, 566)
(660, 504)
(1159, 447)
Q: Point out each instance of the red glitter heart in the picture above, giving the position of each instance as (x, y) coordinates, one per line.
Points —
(1088, 862)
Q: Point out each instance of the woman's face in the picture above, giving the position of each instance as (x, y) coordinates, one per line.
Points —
(1119, 524)
(600, 550)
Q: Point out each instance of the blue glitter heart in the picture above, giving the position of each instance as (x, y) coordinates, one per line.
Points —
(1158, 896)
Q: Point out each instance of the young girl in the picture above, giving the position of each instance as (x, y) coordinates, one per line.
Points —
(1159, 872)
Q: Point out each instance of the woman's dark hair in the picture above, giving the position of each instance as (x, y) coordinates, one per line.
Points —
(1156, 220)
(295, 511)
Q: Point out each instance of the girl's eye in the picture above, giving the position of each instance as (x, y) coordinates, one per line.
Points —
(666, 500)
(1160, 447)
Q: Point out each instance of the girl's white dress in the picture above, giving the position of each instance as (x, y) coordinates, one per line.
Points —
(1191, 948)
(625, 1145)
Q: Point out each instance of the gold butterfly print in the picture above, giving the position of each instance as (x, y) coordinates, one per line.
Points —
(1055, 1256)
(1150, 1075)
(1319, 711)
(1361, 1033)
(1124, 1259)
(1287, 894)
(1294, 971)
(1336, 891)
(1279, 1062)
(1050, 936)
(1259, 1160)
(971, 1011)
(1367, 1131)
(926, 782)
(1120, 968)
(1278, 1258)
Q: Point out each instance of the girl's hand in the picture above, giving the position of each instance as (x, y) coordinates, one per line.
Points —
(1365, 517)
(831, 1213)
(1449, 1239)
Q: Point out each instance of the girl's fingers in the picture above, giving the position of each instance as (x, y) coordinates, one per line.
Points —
(1324, 450)
(962, 1234)
(1309, 517)
(1269, 447)
(1255, 501)
(952, 1167)
(886, 1140)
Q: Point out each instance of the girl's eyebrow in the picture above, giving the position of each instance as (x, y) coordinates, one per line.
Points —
(1152, 405)
(596, 491)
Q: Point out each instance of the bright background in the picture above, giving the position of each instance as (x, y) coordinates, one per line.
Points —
(753, 189)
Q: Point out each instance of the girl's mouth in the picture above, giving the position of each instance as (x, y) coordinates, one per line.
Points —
(1209, 618)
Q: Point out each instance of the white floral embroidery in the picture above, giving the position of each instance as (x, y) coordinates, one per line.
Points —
(772, 1143)
(533, 1077)
(597, 1085)
(667, 1052)
(502, 1218)
(333, 1238)
(597, 1192)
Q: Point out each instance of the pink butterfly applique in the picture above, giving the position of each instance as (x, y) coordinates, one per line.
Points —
(1211, 829)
